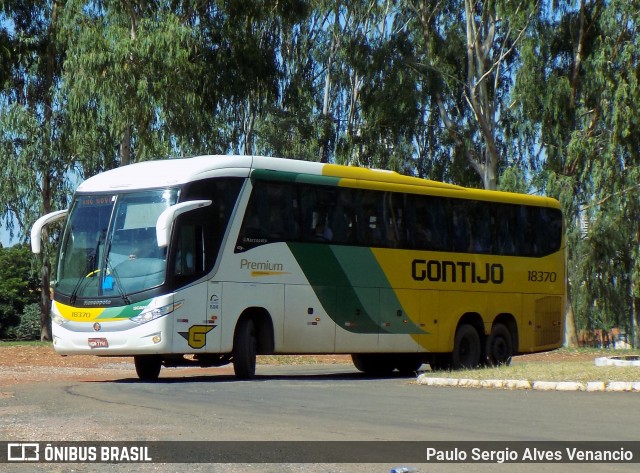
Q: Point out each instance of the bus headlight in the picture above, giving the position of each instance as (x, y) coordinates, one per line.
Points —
(59, 320)
(153, 314)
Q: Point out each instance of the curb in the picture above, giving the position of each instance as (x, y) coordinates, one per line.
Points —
(591, 386)
(617, 361)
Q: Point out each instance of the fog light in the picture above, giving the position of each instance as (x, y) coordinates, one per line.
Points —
(156, 339)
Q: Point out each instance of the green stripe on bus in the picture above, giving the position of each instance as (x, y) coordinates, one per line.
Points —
(357, 279)
(125, 312)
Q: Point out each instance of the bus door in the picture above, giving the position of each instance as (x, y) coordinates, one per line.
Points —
(197, 320)
(194, 331)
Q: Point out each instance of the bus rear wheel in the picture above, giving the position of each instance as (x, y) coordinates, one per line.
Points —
(147, 367)
(499, 346)
(373, 364)
(466, 348)
(245, 348)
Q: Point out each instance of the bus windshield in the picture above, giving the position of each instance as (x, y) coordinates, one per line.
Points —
(109, 248)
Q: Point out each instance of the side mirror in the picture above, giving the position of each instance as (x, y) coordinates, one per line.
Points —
(165, 221)
(36, 230)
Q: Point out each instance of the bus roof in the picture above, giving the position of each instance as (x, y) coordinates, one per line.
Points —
(173, 172)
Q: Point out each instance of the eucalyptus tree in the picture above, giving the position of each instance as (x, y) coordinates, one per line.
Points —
(247, 38)
(132, 80)
(578, 93)
(33, 148)
(289, 126)
(469, 51)
(612, 162)
(381, 96)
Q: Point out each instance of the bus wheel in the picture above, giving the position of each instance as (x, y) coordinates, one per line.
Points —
(466, 348)
(373, 364)
(245, 347)
(408, 364)
(499, 346)
(147, 366)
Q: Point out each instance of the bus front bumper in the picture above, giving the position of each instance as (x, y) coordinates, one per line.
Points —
(147, 339)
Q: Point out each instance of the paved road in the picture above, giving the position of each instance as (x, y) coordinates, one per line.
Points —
(311, 403)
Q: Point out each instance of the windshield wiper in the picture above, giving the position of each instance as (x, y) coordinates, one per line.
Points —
(109, 267)
(121, 291)
(88, 273)
(91, 269)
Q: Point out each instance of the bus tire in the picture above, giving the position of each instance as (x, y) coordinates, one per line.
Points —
(467, 349)
(499, 346)
(408, 364)
(373, 364)
(245, 348)
(147, 367)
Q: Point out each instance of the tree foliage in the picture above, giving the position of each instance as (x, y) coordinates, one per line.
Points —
(531, 96)
(18, 287)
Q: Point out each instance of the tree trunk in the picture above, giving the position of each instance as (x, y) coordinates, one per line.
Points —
(45, 191)
(249, 123)
(125, 147)
(45, 300)
(570, 336)
(635, 323)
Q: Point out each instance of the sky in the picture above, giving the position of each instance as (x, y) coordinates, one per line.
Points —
(5, 239)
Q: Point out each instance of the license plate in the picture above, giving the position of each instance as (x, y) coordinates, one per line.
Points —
(98, 343)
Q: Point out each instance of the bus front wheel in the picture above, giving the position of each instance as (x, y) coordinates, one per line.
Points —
(147, 367)
(408, 364)
(245, 347)
(499, 346)
(466, 348)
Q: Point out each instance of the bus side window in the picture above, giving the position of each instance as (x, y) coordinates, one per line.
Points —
(342, 220)
(190, 254)
(548, 223)
(271, 215)
(428, 223)
(370, 221)
(318, 211)
(506, 230)
(393, 218)
(254, 229)
(460, 222)
(526, 243)
(481, 235)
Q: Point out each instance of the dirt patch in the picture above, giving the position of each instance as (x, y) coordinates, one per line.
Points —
(40, 363)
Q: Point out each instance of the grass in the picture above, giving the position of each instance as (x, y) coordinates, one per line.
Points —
(578, 369)
(19, 343)
(563, 365)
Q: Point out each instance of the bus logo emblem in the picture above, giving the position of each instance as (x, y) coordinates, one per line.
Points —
(97, 327)
(196, 337)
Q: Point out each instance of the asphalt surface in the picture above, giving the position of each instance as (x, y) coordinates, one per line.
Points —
(309, 403)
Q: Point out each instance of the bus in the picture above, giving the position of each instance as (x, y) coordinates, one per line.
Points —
(213, 260)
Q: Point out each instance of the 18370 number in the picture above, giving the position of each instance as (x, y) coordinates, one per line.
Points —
(542, 276)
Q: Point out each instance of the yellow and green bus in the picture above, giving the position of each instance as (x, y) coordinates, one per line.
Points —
(215, 259)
